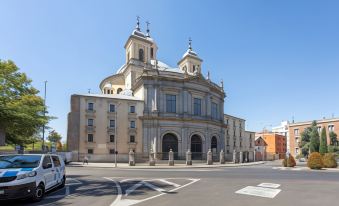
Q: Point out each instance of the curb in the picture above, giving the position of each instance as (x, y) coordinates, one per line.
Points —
(162, 166)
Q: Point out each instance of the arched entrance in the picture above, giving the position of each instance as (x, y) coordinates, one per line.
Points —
(214, 148)
(169, 141)
(196, 147)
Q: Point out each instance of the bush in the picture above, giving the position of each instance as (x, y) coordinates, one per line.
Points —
(289, 162)
(329, 161)
(315, 161)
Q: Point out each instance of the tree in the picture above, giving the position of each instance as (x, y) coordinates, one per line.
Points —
(54, 136)
(333, 138)
(21, 110)
(305, 141)
(323, 142)
(315, 140)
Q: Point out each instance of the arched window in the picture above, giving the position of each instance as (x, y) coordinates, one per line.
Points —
(119, 90)
(141, 55)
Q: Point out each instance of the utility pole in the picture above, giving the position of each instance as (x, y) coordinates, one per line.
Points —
(43, 126)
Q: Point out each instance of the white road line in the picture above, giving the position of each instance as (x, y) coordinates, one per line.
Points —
(127, 202)
(118, 199)
(134, 187)
(153, 187)
(168, 182)
(259, 192)
(269, 185)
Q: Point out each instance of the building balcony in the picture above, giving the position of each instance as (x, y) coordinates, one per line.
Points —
(90, 129)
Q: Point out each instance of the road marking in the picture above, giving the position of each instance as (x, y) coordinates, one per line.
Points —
(118, 199)
(259, 192)
(75, 182)
(269, 185)
(168, 182)
(127, 202)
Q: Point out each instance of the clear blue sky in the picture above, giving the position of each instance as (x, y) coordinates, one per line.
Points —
(278, 59)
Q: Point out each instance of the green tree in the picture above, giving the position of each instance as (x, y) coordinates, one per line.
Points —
(305, 141)
(21, 109)
(54, 136)
(333, 138)
(323, 142)
(315, 140)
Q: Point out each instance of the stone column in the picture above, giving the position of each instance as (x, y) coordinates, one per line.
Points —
(170, 158)
(189, 157)
(209, 157)
(234, 157)
(254, 156)
(131, 160)
(222, 157)
(240, 158)
(151, 158)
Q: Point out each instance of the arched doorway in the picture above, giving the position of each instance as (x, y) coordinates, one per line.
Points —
(214, 148)
(169, 141)
(196, 147)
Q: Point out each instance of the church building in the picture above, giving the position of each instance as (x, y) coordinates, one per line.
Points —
(147, 105)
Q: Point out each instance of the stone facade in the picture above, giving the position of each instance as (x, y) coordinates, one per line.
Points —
(174, 109)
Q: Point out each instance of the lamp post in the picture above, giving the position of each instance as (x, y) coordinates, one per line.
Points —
(115, 135)
(43, 126)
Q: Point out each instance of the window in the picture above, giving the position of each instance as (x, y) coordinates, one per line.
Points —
(90, 122)
(132, 138)
(47, 163)
(296, 132)
(111, 123)
(297, 150)
(119, 90)
(90, 151)
(171, 103)
(90, 106)
(56, 161)
(197, 106)
(319, 129)
(90, 137)
(193, 69)
(331, 128)
(152, 53)
(141, 55)
(111, 108)
(132, 109)
(132, 125)
(214, 110)
(112, 151)
(111, 138)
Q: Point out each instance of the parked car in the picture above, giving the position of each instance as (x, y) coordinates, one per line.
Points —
(30, 176)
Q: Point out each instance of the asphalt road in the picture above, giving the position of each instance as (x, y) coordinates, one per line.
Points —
(215, 186)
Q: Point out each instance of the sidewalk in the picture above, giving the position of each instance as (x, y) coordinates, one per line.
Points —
(160, 166)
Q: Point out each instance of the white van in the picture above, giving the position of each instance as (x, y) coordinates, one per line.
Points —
(30, 176)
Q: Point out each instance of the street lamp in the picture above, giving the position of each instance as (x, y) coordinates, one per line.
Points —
(115, 135)
(43, 126)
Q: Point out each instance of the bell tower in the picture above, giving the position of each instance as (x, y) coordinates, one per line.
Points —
(140, 46)
(190, 62)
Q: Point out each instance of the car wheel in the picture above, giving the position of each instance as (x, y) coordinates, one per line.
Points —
(39, 193)
(63, 182)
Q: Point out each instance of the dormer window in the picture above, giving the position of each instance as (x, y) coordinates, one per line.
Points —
(141, 55)
(193, 68)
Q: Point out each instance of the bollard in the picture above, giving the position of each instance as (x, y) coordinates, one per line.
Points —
(131, 160)
(222, 157)
(240, 158)
(209, 157)
(151, 158)
(189, 157)
(234, 157)
(170, 158)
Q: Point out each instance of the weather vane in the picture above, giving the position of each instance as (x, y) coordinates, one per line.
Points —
(147, 24)
(138, 23)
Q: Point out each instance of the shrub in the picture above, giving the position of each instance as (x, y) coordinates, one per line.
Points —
(315, 161)
(329, 161)
(289, 162)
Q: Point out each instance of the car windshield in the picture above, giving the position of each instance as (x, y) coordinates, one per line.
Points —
(19, 161)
